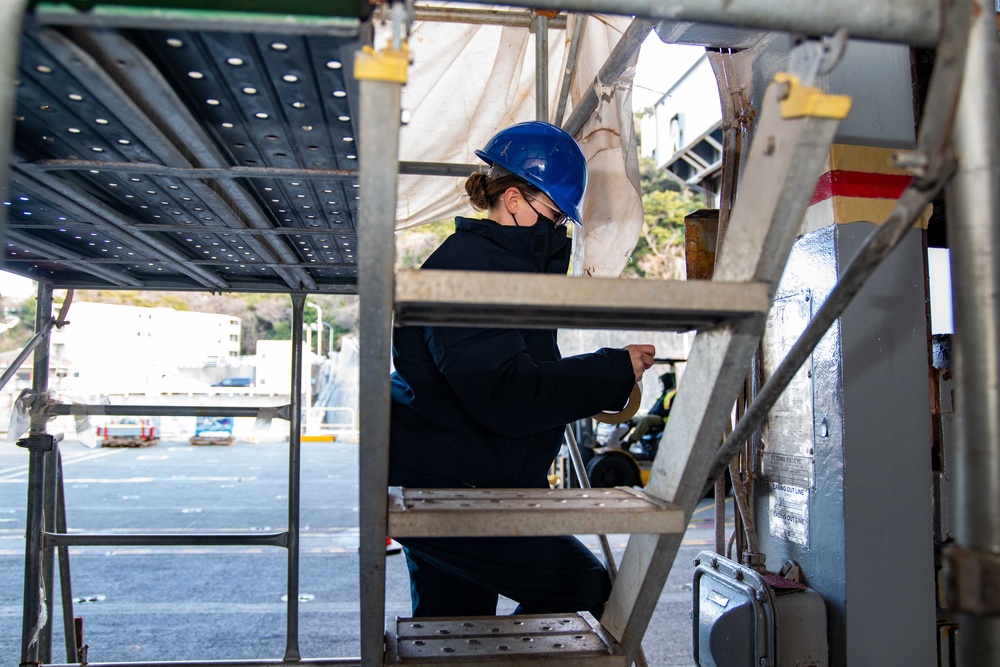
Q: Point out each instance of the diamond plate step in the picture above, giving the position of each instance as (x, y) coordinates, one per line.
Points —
(563, 640)
(509, 512)
(480, 298)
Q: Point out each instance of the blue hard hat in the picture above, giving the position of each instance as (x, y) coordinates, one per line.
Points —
(545, 156)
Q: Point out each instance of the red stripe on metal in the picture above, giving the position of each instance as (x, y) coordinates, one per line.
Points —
(866, 185)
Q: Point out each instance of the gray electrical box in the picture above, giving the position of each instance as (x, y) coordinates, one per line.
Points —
(740, 620)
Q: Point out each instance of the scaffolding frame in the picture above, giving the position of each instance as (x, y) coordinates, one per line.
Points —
(975, 191)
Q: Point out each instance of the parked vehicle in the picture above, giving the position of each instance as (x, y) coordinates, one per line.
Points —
(234, 382)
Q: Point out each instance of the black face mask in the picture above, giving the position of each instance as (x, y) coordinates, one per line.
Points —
(550, 246)
(544, 218)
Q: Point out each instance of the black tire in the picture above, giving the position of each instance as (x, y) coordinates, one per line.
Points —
(608, 470)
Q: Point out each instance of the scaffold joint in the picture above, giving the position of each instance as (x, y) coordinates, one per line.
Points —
(387, 65)
(38, 442)
(802, 101)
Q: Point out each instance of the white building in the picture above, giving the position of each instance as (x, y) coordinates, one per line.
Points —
(109, 348)
(684, 135)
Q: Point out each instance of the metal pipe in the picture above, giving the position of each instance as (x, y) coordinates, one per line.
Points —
(173, 228)
(541, 67)
(75, 200)
(32, 602)
(468, 16)
(379, 133)
(11, 18)
(722, 67)
(410, 168)
(294, 465)
(40, 384)
(45, 249)
(973, 200)
(579, 20)
(49, 505)
(305, 662)
(915, 22)
(609, 557)
(57, 539)
(97, 262)
(932, 147)
(281, 412)
(613, 67)
(584, 479)
(280, 21)
(65, 580)
(34, 593)
(40, 365)
(29, 347)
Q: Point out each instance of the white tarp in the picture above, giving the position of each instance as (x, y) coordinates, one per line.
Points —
(468, 81)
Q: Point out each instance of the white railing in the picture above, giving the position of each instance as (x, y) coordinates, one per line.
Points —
(339, 422)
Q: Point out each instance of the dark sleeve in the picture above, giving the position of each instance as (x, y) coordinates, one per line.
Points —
(502, 388)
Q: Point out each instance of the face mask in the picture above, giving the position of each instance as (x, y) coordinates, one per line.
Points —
(561, 220)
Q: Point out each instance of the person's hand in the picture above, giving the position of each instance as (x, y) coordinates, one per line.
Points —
(641, 357)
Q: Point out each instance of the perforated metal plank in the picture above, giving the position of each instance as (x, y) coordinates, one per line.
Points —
(508, 512)
(556, 640)
(531, 300)
(265, 100)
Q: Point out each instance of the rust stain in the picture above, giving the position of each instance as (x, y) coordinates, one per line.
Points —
(701, 231)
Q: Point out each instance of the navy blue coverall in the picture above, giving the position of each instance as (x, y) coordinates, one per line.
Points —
(485, 407)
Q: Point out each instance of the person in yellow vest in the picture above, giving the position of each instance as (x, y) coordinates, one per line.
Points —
(656, 419)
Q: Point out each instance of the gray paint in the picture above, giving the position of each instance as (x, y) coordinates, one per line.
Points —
(878, 79)
(876, 76)
(870, 552)
(887, 444)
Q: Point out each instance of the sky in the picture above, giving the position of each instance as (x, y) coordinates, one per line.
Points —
(659, 66)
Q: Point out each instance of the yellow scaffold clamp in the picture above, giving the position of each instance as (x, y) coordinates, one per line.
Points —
(386, 65)
(801, 101)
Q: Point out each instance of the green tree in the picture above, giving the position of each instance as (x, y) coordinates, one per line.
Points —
(659, 253)
(415, 244)
(17, 321)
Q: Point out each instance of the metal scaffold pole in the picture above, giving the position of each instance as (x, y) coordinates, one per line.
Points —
(381, 76)
(39, 444)
(542, 67)
(911, 21)
(974, 237)
(294, 465)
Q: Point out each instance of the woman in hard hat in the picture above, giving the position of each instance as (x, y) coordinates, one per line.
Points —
(487, 407)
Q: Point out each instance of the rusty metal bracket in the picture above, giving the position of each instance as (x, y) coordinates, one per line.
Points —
(971, 580)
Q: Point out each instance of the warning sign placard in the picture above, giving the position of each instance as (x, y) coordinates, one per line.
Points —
(788, 513)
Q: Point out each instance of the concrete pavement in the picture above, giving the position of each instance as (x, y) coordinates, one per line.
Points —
(160, 603)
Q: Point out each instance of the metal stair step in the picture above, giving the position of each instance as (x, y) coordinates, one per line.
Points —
(481, 298)
(562, 640)
(510, 512)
